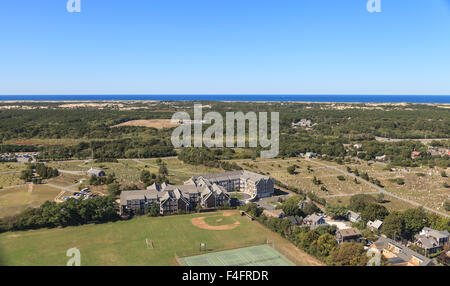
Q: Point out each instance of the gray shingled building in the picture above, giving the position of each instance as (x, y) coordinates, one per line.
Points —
(254, 184)
(172, 199)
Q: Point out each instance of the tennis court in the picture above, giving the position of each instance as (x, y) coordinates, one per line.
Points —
(262, 255)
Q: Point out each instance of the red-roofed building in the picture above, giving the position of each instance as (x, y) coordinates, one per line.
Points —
(415, 155)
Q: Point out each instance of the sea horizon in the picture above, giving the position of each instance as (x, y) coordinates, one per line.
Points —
(436, 99)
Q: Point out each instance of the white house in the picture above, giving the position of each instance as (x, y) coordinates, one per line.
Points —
(374, 225)
(353, 217)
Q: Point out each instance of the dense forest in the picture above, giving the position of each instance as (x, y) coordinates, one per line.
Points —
(333, 125)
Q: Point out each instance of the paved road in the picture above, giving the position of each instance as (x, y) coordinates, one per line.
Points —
(349, 195)
(72, 172)
(379, 189)
(64, 188)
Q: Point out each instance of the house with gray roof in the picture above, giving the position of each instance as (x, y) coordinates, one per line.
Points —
(374, 225)
(432, 240)
(314, 220)
(398, 254)
(353, 216)
(96, 172)
(348, 235)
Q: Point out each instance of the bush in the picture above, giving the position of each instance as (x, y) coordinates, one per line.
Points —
(447, 206)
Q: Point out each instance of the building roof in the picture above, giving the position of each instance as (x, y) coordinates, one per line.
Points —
(376, 224)
(235, 175)
(404, 254)
(349, 232)
(427, 242)
(353, 215)
(435, 233)
(95, 171)
(138, 195)
(165, 192)
(314, 218)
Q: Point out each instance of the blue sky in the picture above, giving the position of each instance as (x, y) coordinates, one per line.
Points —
(225, 46)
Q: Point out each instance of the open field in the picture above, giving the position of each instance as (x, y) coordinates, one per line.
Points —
(154, 123)
(178, 171)
(261, 255)
(422, 185)
(65, 180)
(390, 202)
(16, 199)
(124, 242)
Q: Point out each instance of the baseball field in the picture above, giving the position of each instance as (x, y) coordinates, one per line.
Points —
(141, 241)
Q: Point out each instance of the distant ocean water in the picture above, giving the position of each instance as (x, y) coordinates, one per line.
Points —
(236, 97)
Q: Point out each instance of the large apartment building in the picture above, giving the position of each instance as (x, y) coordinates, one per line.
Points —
(256, 185)
(208, 191)
(172, 199)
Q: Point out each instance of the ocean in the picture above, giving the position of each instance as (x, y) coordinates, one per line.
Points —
(240, 97)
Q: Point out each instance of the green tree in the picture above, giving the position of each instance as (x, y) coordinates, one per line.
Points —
(336, 211)
(306, 239)
(146, 177)
(359, 202)
(348, 254)
(291, 170)
(163, 170)
(154, 210)
(393, 225)
(114, 189)
(380, 198)
(415, 220)
(373, 212)
(325, 244)
(253, 209)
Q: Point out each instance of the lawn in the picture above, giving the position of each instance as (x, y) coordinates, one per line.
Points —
(16, 199)
(124, 242)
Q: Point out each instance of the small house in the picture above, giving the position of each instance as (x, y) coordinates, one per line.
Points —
(314, 220)
(348, 235)
(415, 155)
(374, 225)
(96, 172)
(353, 216)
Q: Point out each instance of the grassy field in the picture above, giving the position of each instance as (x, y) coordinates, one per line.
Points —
(16, 199)
(123, 242)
